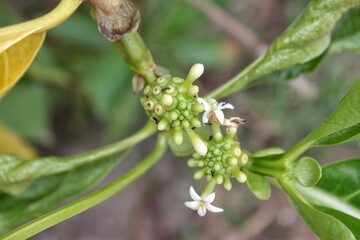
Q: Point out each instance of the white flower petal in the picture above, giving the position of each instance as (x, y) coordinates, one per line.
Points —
(210, 198)
(214, 209)
(204, 103)
(194, 195)
(201, 211)
(205, 118)
(194, 205)
(224, 105)
(220, 116)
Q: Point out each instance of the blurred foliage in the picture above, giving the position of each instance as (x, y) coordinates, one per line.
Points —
(78, 84)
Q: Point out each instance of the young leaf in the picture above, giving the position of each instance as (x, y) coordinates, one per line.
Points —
(307, 171)
(16, 59)
(338, 188)
(20, 43)
(307, 38)
(336, 195)
(48, 191)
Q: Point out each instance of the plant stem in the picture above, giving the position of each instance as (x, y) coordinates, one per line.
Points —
(241, 80)
(209, 188)
(133, 50)
(277, 173)
(216, 131)
(297, 150)
(145, 132)
(58, 215)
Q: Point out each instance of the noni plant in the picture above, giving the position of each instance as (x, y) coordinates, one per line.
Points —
(184, 114)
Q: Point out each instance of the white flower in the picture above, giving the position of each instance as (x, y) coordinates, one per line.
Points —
(202, 203)
(214, 107)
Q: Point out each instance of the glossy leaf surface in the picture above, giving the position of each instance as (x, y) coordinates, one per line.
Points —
(307, 38)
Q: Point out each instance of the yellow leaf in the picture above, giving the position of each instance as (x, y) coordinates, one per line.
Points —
(11, 143)
(20, 43)
(16, 59)
(12, 34)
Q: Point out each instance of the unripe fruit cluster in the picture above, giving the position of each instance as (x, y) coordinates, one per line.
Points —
(222, 162)
(171, 102)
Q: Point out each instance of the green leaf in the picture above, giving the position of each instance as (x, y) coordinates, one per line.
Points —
(338, 188)
(48, 191)
(58, 215)
(337, 194)
(258, 185)
(14, 169)
(327, 227)
(352, 223)
(346, 34)
(307, 38)
(343, 124)
(295, 70)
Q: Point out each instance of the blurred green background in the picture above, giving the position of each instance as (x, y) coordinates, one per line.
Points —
(77, 96)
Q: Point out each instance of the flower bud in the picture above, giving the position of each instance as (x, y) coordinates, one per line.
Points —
(185, 124)
(197, 108)
(195, 72)
(156, 90)
(239, 175)
(198, 144)
(199, 174)
(178, 136)
(219, 178)
(192, 162)
(227, 184)
(244, 159)
(173, 115)
(232, 161)
(193, 91)
(159, 110)
(195, 122)
(167, 100)
(163, 124)
(236, 152)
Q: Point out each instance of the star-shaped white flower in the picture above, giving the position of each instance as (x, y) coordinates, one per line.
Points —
(214, 107)
(202, 203)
